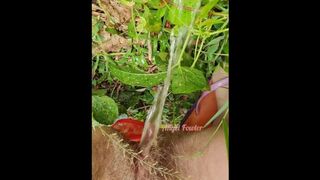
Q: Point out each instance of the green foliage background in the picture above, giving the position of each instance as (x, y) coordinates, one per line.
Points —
(125, 82)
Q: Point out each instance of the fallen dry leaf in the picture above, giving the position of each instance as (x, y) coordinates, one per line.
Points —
(113, 42)
(119, 14)
(114, 15)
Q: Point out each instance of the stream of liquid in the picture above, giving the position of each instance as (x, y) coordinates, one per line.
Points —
(153, 121)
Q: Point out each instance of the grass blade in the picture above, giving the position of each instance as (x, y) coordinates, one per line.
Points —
(221, 110)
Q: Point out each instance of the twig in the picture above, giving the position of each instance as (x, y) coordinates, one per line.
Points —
(221, 48)
(149, 49)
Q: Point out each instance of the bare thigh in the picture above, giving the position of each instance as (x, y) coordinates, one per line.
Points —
(192, 155)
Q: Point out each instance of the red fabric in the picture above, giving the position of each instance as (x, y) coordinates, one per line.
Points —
(130, 128)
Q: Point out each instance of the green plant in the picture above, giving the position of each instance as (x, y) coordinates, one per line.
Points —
(104, 109)
(131, 52)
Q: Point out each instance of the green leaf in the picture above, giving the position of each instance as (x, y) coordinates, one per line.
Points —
(131, 30)
(184, 16)
(112, 30)
(154, 27)
(226, 133)
(161, 12)
(96, 26)
(164, 42)
(104, 109)
(137, 79)
(163, 56)
(140, 60)
(99, 92)
(162, 64)
(188, 80)
(215, 41)
(154, 45)
(147, 97)
(209, 22)
(127, 3)
(213, 46)
(129, 98)
(140, 1)
(226, 48)
(156, 4)
(204, 11)
(154, 22)
(141, 25)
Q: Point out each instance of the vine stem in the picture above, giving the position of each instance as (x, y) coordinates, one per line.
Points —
(182, 50)
(195, 49)
(210, 34)
(149, 49)
(219, 14)
(197, 57)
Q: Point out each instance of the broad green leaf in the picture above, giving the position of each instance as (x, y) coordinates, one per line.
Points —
(104, 109)
(161, 12)
(140, 60)
(154, 27)
(154, 22)
(188, 80)
(213, 47)
(184, 16)
(132, 68)
(137, 79)
(205, 9)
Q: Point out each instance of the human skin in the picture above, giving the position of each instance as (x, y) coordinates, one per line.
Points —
(193, 154)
